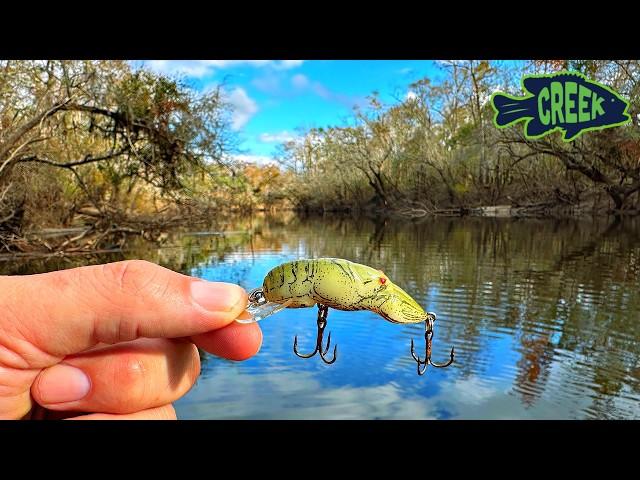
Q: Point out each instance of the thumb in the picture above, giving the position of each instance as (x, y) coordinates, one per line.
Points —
(66, 312)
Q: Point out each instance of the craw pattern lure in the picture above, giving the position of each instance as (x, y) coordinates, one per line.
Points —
(343, 285)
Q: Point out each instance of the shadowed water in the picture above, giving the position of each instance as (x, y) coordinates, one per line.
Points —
(544, 316)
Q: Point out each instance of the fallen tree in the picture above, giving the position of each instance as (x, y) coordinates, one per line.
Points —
(106, 137)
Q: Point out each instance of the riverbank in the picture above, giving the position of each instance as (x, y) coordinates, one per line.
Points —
(93, 235)
(542, 209)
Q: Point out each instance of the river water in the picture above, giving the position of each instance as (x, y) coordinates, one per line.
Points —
(544, 316)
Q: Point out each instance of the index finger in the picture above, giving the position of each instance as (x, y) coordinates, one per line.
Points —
(69, 311)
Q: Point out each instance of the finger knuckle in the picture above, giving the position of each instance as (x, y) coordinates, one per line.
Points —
(131, 378)
(129, 275)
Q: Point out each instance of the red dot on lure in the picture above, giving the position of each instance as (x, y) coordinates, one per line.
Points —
(383, 280)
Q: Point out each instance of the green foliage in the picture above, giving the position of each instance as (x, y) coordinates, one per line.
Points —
(438, 147)
(101, 135)
(114, 140)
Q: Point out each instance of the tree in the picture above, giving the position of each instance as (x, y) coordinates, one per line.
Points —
(608, 158)
(106, 125)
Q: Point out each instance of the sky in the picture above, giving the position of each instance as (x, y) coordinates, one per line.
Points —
(273, 99)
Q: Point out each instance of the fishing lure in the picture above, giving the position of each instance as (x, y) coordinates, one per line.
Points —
(343, 285)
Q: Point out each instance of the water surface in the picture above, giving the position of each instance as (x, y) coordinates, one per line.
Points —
(543, 315)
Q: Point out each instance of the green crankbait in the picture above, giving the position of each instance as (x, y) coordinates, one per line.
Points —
(343, 285)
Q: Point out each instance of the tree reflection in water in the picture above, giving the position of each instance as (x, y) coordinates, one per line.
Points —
(563, 295)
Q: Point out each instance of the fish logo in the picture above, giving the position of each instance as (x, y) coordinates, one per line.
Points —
(564, 101)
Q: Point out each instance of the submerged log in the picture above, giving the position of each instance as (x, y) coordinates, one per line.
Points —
(496, 211)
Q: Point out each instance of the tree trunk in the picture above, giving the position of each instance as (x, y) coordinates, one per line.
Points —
(618, 199)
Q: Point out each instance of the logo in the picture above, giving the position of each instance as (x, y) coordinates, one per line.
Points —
(565, 101)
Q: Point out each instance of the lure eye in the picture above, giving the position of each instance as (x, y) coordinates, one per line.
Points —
(383, 280)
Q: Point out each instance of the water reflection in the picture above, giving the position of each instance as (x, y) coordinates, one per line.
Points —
(543, 315)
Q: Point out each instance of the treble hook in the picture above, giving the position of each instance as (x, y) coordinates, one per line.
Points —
(428, 335)
(322, 323)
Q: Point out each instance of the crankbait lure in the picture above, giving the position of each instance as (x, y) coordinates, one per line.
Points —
(343, 285)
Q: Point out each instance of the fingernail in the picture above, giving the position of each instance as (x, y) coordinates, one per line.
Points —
(216, 296)
(62, 384)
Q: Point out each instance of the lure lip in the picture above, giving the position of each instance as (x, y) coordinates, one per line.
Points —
(259, 311)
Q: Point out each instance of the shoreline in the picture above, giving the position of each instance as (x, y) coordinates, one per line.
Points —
(540, 211)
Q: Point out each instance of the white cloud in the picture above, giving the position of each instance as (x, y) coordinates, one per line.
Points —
(286, 64)
(200, 68)
(299, 395)
(276, 83)
(172, 67)
(257, 159)
(244, 107)
(268, 83)
(325, 93)
(302, 84)
(278, 137)
(300, 81)
(411, 95)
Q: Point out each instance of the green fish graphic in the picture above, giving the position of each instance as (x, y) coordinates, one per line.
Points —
(564, 101)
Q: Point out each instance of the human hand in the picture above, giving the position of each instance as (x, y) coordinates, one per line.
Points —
(114, 341)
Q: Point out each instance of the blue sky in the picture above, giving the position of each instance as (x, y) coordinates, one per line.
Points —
(274, 98)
